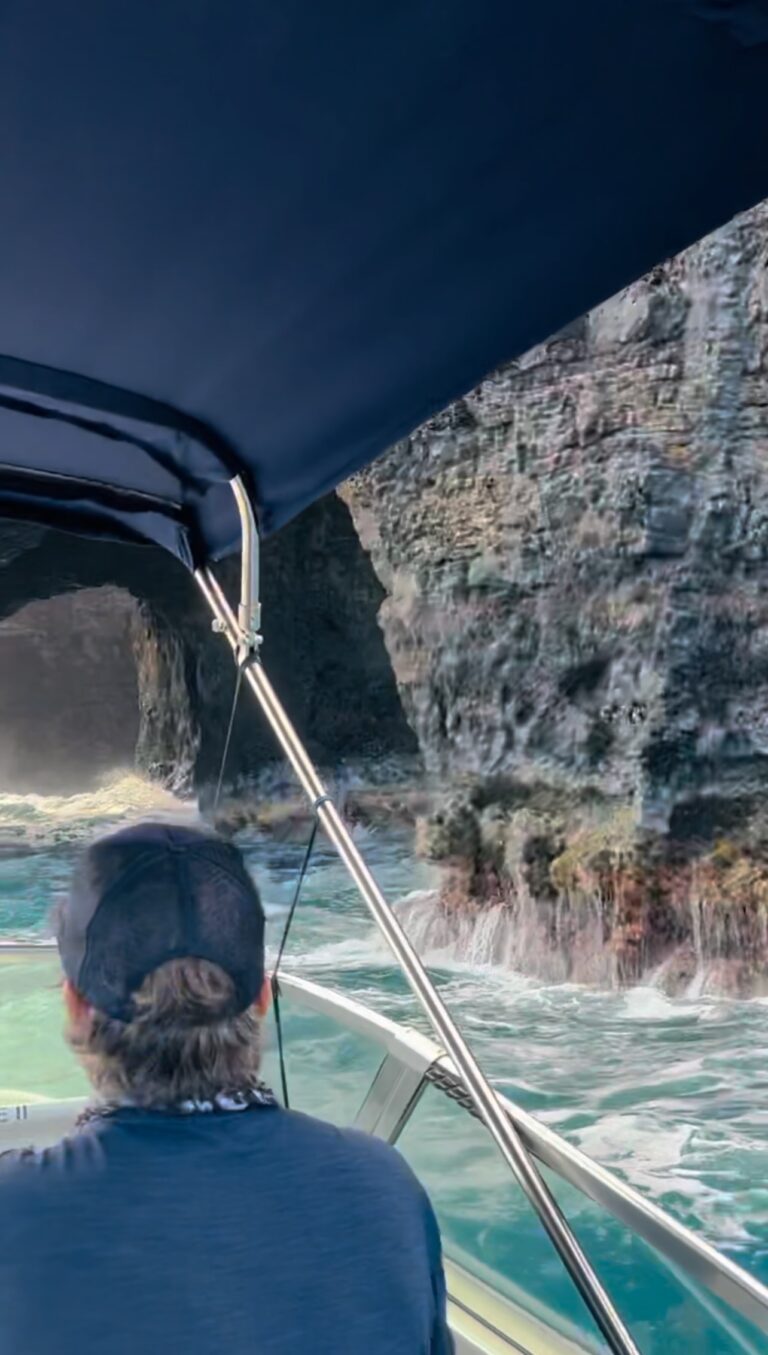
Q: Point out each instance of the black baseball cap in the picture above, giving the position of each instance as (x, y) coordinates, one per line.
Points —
(156, 892)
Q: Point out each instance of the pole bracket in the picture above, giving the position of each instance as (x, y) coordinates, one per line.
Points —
(249, 635)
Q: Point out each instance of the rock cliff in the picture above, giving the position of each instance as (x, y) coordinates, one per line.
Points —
(575, 557)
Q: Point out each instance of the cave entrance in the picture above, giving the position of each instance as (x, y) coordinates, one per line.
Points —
(69, 709)
(108, 660)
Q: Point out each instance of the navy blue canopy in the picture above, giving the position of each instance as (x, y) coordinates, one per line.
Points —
(272, 236)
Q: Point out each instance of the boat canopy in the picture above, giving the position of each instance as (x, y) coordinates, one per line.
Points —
(268, 240)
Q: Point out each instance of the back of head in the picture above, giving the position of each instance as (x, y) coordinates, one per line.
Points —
(162, 937)
(183, 1045)
(200, 1231)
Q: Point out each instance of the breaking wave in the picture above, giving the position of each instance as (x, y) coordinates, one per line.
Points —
(39, 821)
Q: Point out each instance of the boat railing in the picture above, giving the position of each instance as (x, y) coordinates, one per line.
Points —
(412, 1062)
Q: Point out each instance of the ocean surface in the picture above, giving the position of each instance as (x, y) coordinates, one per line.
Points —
(671, 1095)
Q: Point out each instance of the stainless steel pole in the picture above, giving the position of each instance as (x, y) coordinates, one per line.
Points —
(507, 1139)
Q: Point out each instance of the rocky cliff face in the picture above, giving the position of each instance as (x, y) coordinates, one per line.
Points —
(575, 554)
(323, 649)
(576, 564)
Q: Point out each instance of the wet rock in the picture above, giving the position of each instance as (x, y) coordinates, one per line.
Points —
(451, 831)
(599, 897)
(532, 844)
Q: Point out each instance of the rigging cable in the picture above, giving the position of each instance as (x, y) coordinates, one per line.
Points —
(275, 981)
(241, 667)
(275, 985)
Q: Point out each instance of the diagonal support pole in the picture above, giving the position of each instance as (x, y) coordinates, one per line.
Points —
(503, 1132)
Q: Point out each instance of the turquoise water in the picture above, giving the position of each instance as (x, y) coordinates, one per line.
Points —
(671, 1095)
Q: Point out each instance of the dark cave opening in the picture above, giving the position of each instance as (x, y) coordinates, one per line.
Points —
(69, 709)
(108, 659)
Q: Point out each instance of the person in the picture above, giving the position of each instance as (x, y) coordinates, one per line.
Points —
(190, 1212)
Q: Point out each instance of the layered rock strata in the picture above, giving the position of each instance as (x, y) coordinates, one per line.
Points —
(575, 557)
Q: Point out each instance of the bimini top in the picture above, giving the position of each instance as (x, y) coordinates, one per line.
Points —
(271, 238)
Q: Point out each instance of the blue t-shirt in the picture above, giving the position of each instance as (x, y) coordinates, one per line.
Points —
(217, 1234)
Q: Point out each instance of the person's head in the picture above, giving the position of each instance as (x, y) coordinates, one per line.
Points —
(162, 945)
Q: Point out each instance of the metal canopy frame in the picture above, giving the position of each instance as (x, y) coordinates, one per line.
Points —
(241, 631)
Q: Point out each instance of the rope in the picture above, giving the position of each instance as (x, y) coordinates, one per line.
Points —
(228, 739)
(321, 800)
(242, 667)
